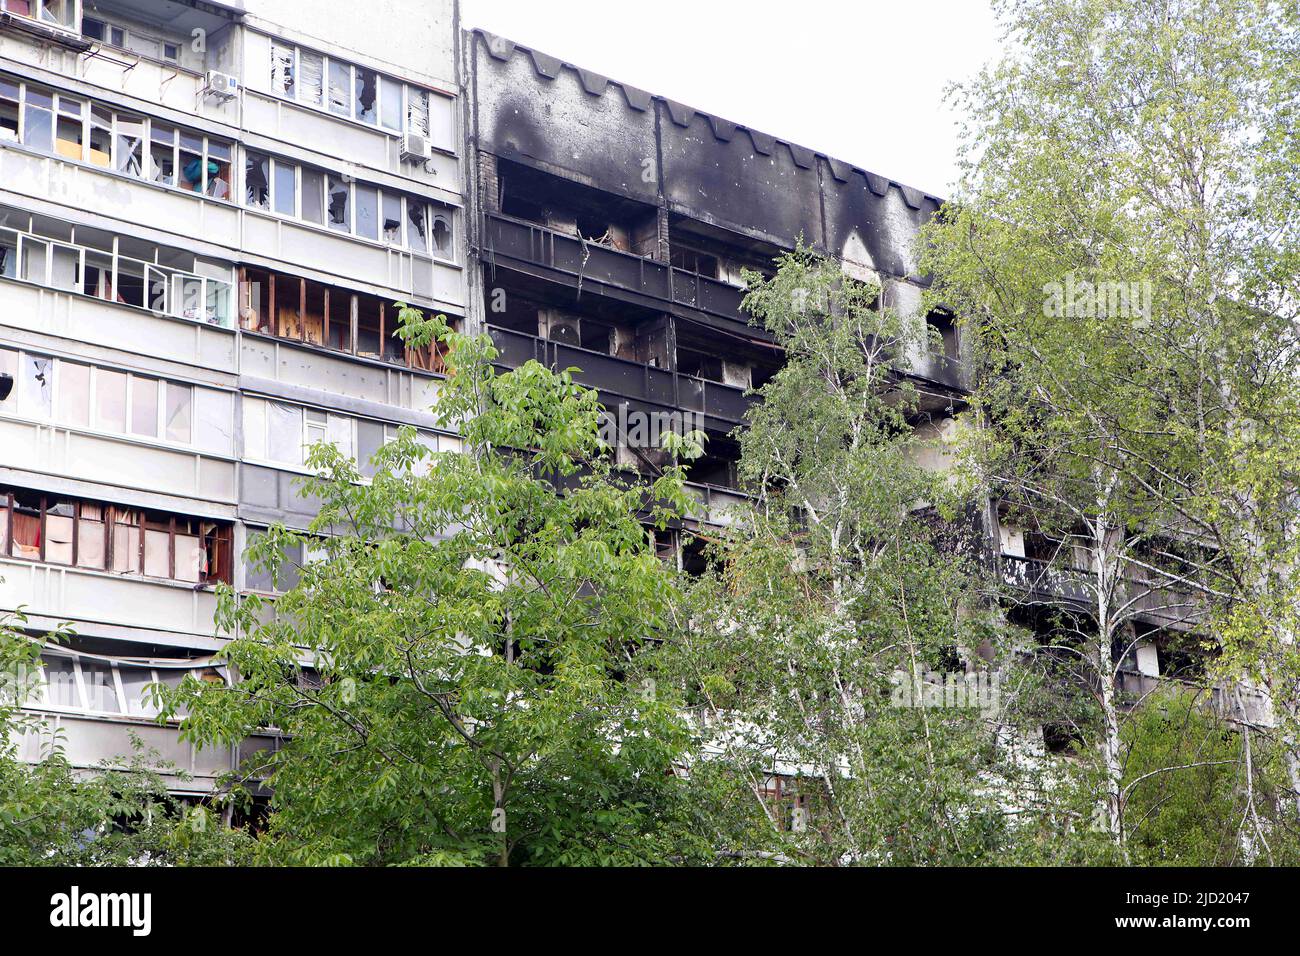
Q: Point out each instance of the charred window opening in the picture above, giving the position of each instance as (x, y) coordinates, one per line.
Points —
(719, 465)
(942, 331)
(1062, 738)
(714, 253)
(577, 210)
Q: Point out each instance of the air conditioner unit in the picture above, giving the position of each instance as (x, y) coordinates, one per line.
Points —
(415, 146)
(221, 84)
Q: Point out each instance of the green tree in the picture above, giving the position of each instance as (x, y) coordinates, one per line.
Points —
(119, 815)
(1123, 247)
(457, 672)
(852, 579)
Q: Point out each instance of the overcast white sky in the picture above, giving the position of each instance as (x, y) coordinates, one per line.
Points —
(862, 81)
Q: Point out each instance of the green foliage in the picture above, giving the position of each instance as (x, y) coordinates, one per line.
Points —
(850, 579)
(122, 815)
(458, 671)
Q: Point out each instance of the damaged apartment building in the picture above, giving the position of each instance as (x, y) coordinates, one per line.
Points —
(609, 230)
(611, 227)
(207, 212)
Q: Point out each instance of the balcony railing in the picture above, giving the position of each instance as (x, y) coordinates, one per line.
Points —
(68, 267)
(598, 264)
(626, 379)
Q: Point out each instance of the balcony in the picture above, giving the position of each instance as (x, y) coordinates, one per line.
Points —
(660, 388)
(99, 602)
(545, 253)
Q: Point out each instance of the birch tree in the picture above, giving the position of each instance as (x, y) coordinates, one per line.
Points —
(1123, 247)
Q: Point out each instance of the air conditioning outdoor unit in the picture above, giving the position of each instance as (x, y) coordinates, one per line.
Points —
(221, 84)
(415, 146)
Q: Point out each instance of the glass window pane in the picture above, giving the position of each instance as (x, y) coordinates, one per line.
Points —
(370, 438)
(442, 236)
(214, 427)
(144, 406)
(313, 186)
(178, 412)
(390, 103)
(340, 88)
(61, 682)
(9, 366)
(101, 690)
(367, 211)
(110, 400)
(74, 394)
(285, 188)
(38, 120)
(284, 433)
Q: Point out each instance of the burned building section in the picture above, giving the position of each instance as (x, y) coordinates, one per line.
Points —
(611, 234)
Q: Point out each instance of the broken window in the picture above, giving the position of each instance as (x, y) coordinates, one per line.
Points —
(417, 213)
(367, 95)
(128, 154)
(61, 682)
(8, 110)
(218, 170)
(101, 136)
(257, 180)
(58, 531)
(162, 153)
(37, 385)
(91, 537)
(339, 193)
(417, 112)
(442, 237)
(311, 77)
(282, 72)
(392, 221)
(369, 326)
(77, 533)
